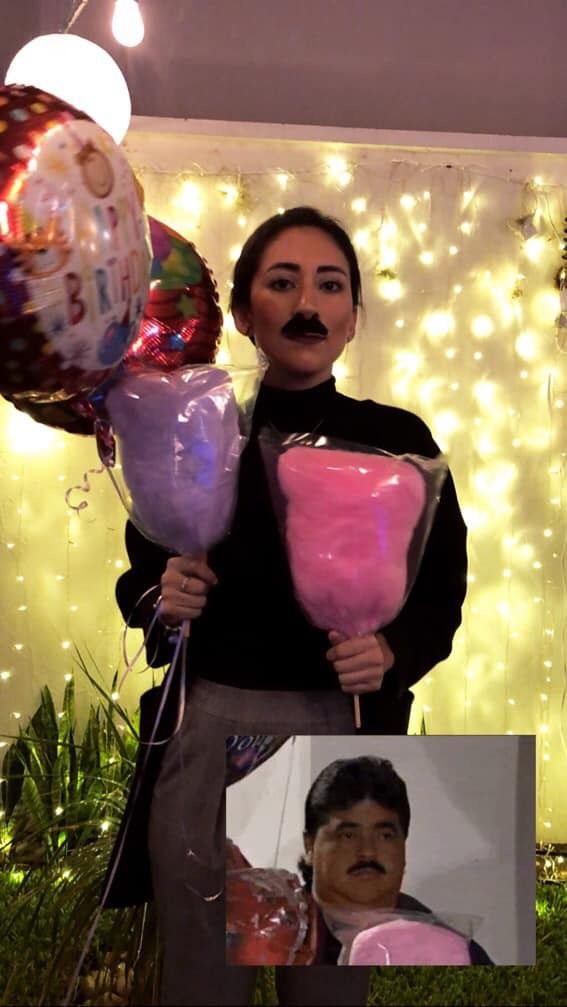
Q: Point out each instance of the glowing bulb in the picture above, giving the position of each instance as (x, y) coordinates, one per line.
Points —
(438, 324)
(230, 192)
(453, 250)
(339, 370)
(388, 230)
(426, 258)
(526, 346)
(223, 356)
(466, 227)
(388, 257)
(467, 196)
(26, 437)
(104, 826)
(482, 327)
(534, 247)
(58, 810)
(234, 252)
(408, 202)
(115, 696)
(361, 238)
(426, 195)
(190, 198)
(390, 289)
(65, 644)
(359, 205)
(400, 323)
(447, 422)
(457, 289)
(127, 23)
(80, 73)
(282, 178)
(485, 393)
(338, 171)
(5, 675)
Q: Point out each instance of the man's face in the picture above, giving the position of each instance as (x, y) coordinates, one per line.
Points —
(358, 857)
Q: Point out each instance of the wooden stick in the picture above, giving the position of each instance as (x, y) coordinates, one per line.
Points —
(356, 711)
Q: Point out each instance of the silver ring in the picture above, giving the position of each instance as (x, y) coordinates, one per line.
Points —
(183, 584)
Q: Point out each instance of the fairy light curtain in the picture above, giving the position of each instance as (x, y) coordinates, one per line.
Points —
(460, 277)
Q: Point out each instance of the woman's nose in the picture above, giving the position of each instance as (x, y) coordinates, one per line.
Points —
(307, 303)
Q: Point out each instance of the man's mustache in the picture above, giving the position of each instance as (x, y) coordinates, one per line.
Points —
(300, 325)
(367, 864)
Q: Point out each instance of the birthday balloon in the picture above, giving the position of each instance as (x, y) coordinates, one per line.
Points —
(74, 250)
(182, 318)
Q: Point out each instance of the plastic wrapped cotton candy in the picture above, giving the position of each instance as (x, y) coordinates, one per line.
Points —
(180, 439)
(409, 942)
(350, 522)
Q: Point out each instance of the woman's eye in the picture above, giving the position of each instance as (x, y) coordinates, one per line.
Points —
(280, 283)
(333, 286)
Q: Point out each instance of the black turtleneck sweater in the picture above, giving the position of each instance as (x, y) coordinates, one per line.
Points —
(252, 633)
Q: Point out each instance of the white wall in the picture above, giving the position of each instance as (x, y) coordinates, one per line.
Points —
(471, 838)
(491, 66)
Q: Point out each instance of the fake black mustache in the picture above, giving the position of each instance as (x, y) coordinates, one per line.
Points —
(367, 863)
(300, 325)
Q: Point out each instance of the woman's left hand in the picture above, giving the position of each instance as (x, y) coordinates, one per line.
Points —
(360, 662)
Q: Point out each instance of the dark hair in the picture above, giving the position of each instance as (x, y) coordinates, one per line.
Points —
(344, 783)
(254, 247)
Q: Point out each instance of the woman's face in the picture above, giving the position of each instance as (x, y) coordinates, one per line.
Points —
(301, 313)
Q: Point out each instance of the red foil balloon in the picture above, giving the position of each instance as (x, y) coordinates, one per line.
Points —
(74, 250)
(75, 415)
(182, 318)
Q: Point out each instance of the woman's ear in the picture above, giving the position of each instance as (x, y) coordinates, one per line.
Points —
(308, 847)
(352, 326)
(242, 321)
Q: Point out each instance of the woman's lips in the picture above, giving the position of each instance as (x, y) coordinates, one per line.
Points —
(305, 337)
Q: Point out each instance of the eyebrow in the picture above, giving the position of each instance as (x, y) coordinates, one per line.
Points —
(387, 823)
(293, 266)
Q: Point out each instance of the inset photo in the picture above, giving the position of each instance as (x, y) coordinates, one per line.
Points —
(352, 850)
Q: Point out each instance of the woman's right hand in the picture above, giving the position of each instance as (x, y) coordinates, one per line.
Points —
(185, 585)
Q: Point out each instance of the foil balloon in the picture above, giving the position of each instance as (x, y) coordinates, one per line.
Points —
(182, 318)
(74, 415)
(269, 918)
(244, 753)
(74, 250)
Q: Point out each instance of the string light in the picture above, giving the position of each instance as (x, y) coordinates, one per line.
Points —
(482, 406)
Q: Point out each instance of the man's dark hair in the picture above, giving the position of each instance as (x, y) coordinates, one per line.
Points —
(299, 216)
(344, 783)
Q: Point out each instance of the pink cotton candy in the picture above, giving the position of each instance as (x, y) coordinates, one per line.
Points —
(406, 942)
(350, 521)
(180, 447)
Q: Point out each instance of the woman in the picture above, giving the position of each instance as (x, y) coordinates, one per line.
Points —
(255, 664)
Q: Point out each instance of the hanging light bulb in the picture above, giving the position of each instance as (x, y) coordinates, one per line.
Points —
(127, 23)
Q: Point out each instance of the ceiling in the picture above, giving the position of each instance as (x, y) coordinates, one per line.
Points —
(482, 66)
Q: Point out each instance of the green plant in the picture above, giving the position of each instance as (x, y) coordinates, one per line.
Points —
(62, 801)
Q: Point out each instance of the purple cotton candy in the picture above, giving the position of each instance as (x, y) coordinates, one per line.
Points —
(349, 524)
(180, 447)
(407, 942)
